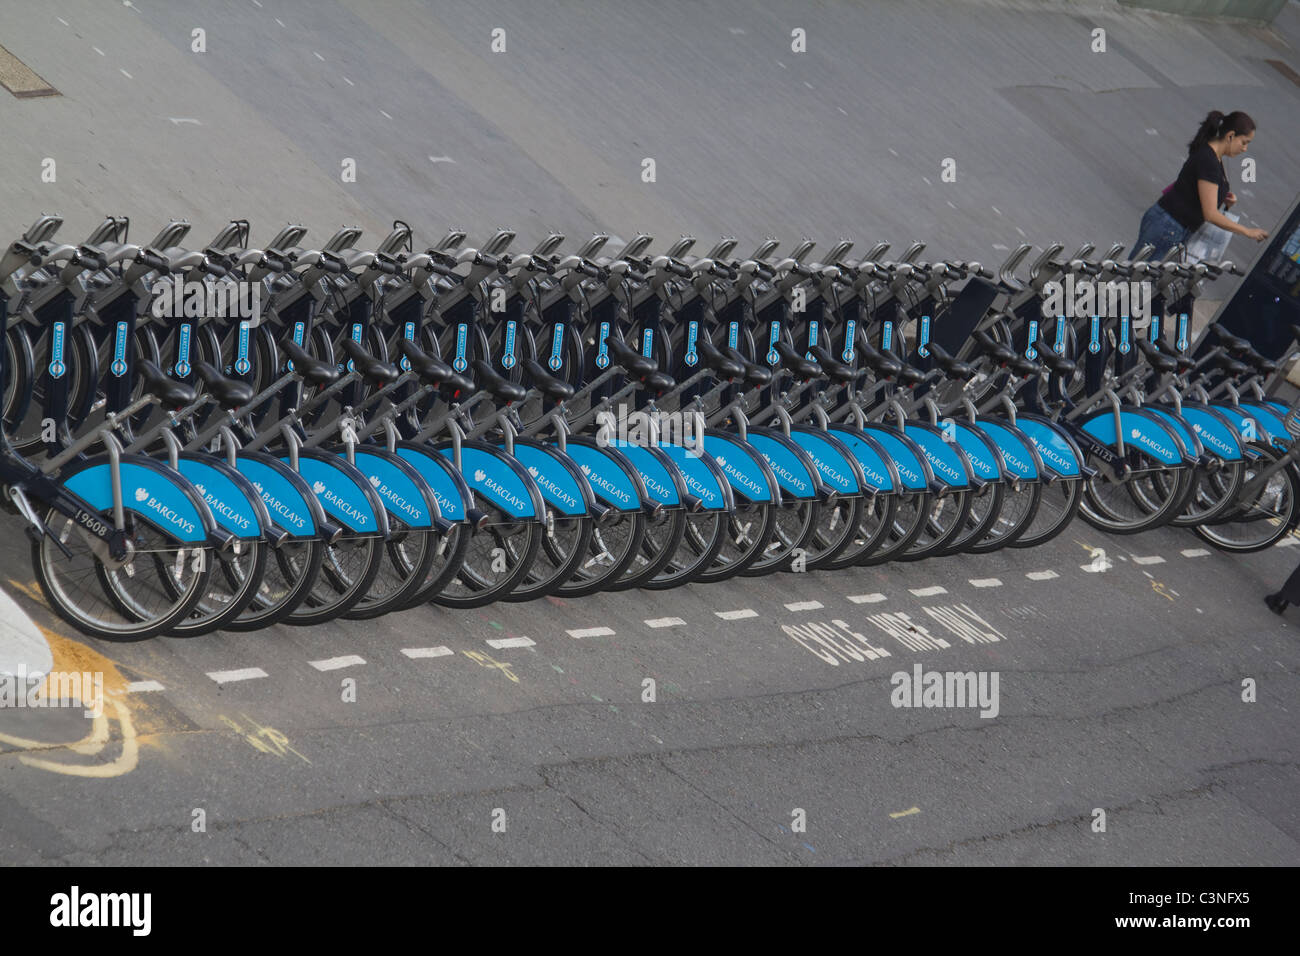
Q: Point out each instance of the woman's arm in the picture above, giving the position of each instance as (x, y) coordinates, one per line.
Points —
(1209, 193)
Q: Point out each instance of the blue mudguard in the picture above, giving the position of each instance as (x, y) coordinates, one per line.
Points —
(703, 476)
(150, 489)
(1020, 458)
(558, 477)
(287, 496)
(1142, 431)
(948, 459)
(1249, 423)
(879, 471)
(1182, 428)
(405, 494)
(610, 474)
(498, 479)
(450, 489)
(343, 492)
(913, 466)
(663, 483)
(1271, 420)
(1215, 430)
(1056, 448)
(835, 463)
(795, 471)
(232, 499)
(748, 473)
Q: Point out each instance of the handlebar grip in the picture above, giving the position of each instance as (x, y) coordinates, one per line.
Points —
(679, 268)
(214, 268)
(152, 260)
(330, 264)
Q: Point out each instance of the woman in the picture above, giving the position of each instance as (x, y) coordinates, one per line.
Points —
(1201, 188)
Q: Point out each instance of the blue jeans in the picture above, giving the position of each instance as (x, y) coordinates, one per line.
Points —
(1161, 230)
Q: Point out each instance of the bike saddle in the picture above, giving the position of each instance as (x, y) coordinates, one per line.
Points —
(1261, 364)
(1059, 364)
(658, 382)
(1023, 365)
(167, 390)
(371, 368)
(557, 390)
(496, 385)
(719, 361)
(951, 367)
(456, 387)
(1231, 342)
(1155, 358)
(1185, 364)
(628, 357)
(834, 367)
(794, 362)
(228, 392)
(994, 350)
(885, 366)
(431, 370)
(307, 368)
(755, 373)
(1222, 360)
(908, 375)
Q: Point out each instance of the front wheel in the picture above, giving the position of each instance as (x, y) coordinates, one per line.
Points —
(150, 591)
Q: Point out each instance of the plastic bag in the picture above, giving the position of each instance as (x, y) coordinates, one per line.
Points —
(1209, 243)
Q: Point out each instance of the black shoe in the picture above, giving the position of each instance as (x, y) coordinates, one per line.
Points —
(1276, 604)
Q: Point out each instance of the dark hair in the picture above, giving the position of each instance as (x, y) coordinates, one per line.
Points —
(1216, 126)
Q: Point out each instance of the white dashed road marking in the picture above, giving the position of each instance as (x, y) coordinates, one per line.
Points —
(227, 677)
(737, 615)
(928, 592)
(805, 606)
(143, 686)
(1195, 553)
(1042, 575)
(665, 622)
(592, 632)
(1149, 559)
(866, 598)
(985, 583)
(500, 643)
(334, 663)
(419, 652)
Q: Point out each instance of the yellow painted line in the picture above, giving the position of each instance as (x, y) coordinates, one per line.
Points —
(31, 590)
(19, 78)
(905, 813)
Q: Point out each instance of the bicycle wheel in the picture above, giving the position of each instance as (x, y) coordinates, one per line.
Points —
(1019, 508)
(985, 508)
(235, 581)
(793, 526)
(287, 579)
(702, 539)
(449, 554)
(409, 553)
(1136, 503)
(155, 586)
(1057, 505)
(496, 559)
(1212, 495)
(748, 530)
(908, 523)
(663, 534)
(612, 549)
(836, 527)
(943, 522)
(1260, 523)
(350, 564)
(565, 544)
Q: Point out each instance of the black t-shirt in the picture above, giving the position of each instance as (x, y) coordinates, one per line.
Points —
(1183, 202)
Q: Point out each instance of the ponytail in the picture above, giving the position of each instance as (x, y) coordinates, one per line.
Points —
(1216, 126)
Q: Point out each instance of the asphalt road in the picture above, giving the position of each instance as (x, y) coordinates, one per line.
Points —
(1118, 690)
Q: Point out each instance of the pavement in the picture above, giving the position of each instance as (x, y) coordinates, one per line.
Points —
(1146, 698)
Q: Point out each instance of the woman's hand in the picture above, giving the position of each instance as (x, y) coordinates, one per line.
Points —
(1230, 201)
(1259, 235)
